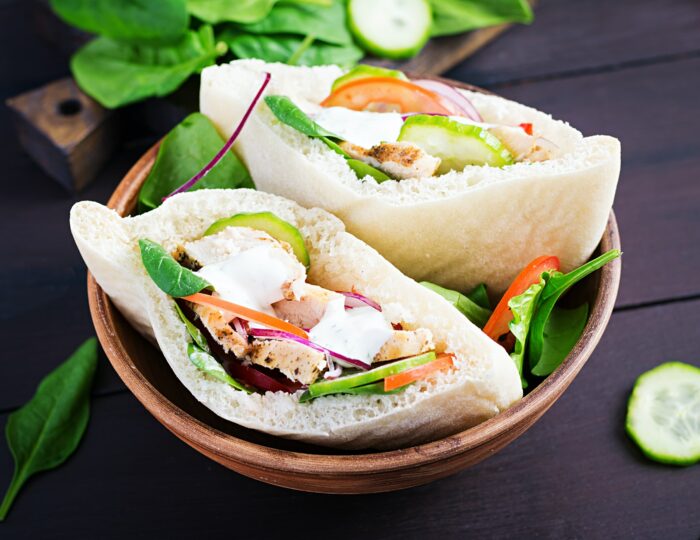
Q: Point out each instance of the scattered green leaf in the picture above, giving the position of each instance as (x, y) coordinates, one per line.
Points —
(116, 73)
(127, 20)
(44, 432)
(170, 277)
(456, 16)
(183, 153)
(468, 307)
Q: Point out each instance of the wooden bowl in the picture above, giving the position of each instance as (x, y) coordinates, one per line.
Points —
(310, 468)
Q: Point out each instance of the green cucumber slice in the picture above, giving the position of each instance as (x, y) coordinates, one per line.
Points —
(456, 144)
(393, 29)
(373, 388)
(663, 414)
(364, 71)
(271, 224)
(342, 384)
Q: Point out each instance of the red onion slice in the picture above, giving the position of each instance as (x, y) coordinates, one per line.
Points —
(240, 326)
(267, 333)
(227, 146)
(456, 98)
(355, 300)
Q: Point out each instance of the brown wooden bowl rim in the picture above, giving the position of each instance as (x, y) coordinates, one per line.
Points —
(227, 446)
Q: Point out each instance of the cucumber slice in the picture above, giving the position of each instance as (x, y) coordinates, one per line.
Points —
(393, 29)
(272, 225)
(456, 144)
(663, 414)
(373, 388)
(363, 71)
(341, 385)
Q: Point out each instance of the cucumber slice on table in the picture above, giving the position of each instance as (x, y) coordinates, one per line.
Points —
(364, 71)
(455, 143)
(272, 225)
(663, 415)
(390, 28)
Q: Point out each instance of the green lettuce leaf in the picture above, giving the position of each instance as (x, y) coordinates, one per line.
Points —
(456, 16)
(471, 309)
(523, 308)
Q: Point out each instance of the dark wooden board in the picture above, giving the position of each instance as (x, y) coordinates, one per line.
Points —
(584, 35)
(573, 475)
(653, 111)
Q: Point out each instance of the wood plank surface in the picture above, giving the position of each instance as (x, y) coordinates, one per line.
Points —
(573, 475)
(585, 35)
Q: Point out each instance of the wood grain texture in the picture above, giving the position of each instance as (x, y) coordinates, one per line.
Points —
(310, 468)
(570, 37)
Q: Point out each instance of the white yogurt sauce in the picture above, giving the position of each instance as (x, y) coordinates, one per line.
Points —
(253, 278)
(360, 127)
(356, 333)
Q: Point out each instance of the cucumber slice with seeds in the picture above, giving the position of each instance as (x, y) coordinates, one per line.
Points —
(663, 415)
(455, 143)
(391, 28)
(269, 223)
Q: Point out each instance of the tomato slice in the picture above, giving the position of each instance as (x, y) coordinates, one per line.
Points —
(385, 93)
(403, 378)
(497, 325)
(246, 313)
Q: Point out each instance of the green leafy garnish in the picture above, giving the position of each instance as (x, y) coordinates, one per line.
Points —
(208, 365)
(44, 432)
(468, 307)
(128, 20)
(183, 153)
(242, 11)
(170, 277)
(362, 169)
(116, 73)
(523, 308)
(456, 16)
(194, 332)
(480, 297)
(561, 332)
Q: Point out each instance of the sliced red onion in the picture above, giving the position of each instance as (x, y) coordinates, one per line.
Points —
(267, 333)
(355, 300)
(240, 326)
(456, 98)
(227, 146)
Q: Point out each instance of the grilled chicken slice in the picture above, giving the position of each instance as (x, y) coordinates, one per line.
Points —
(221, 331)
(298, 362)
(398, 159)
(405, 343)
(525, 147)
(305, 305)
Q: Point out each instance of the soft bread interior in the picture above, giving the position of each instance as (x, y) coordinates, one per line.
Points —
(482, 224)
(485, 383)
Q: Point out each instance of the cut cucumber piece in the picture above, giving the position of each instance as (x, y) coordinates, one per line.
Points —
(663, 414)
(341, 385)
(392, 28)
(373, 388)
(364, 71)
(456, 144)
(272, 225)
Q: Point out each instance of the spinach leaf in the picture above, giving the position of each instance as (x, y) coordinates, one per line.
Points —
(523, 308)
(242, 11)
(280, 48)
(456, 16)
(208, 365)
(561, 332)
(480, 297)
(325, 23)
(128, 20)
(194, 332)
(556, 285)
(44, 432)
(167, 274)
(183, 153)
(116, 73)
(288, 113)
(468, 307)
(363, 169)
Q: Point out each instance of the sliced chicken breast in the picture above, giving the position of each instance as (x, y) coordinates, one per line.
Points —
(298, 362)
(404, 343)
(398, 159)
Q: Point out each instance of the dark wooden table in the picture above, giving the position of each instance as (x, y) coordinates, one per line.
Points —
(629, 68)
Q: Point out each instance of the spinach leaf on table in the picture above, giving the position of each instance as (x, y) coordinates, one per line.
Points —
(456, 16)
(325, 23)
(117, 73)
(523, 307)
(468, 307)
(44, 432)
(243, 11)
(561, 332)
(129, 20)
(280, 48)
(170, 277)
(183, 153)
(556, 285)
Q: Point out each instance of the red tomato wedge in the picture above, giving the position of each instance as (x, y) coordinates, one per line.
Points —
(527, 127)
(393, 94)
(443, 361)
(497, 325)
(246, 313)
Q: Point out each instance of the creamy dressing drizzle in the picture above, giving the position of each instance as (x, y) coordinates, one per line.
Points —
(356, 333)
